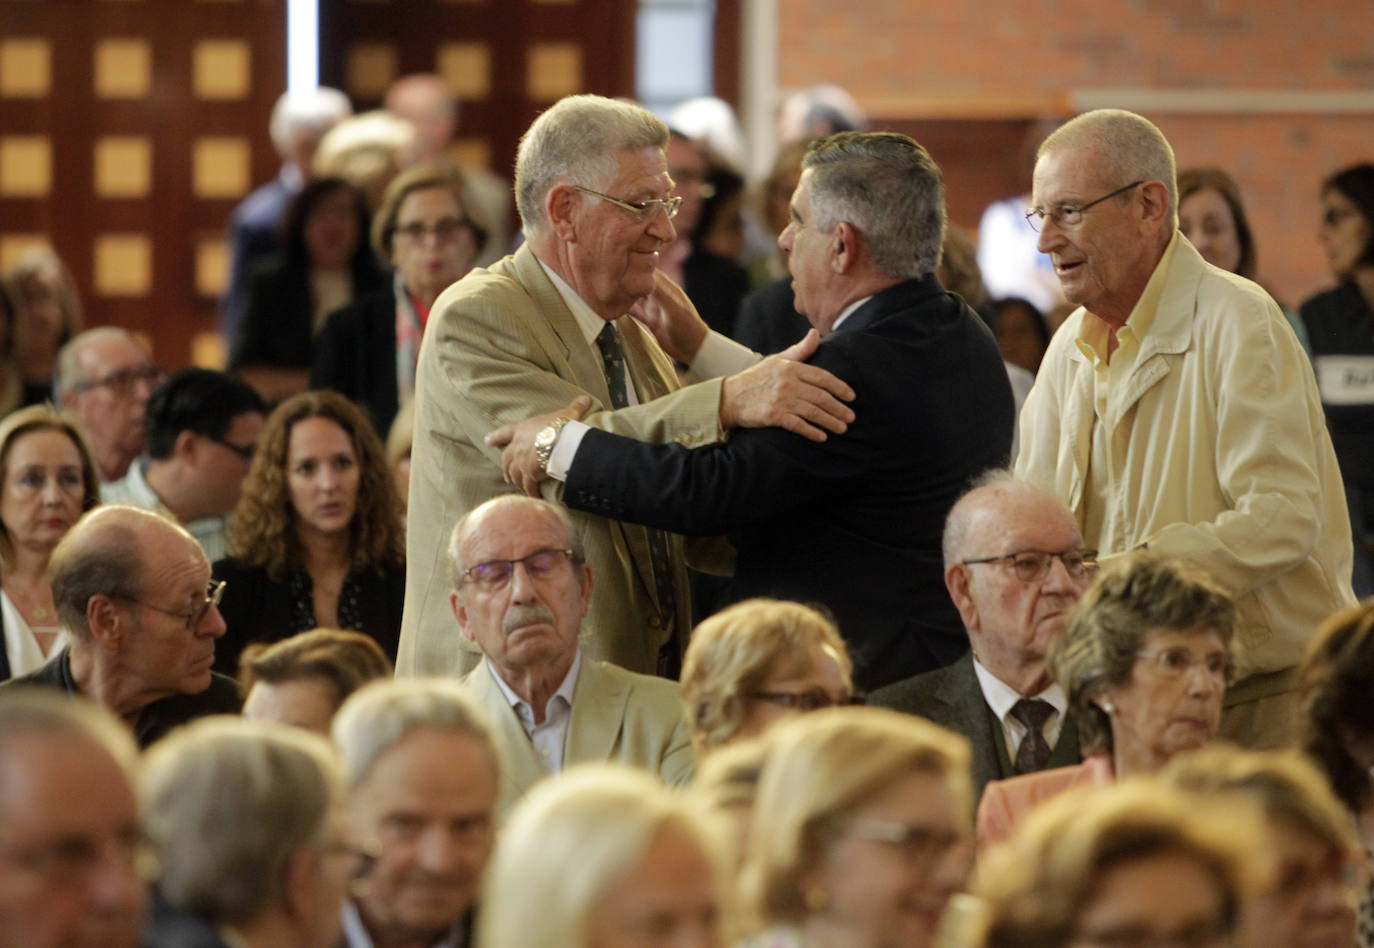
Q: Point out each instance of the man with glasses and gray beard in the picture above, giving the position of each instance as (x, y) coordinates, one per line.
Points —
(521, 588)
(1014, 566)
(550, 324)
(133, 591)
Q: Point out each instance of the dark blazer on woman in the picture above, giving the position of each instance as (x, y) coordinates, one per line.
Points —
(355, 355)
(276, 328)
(257, 608)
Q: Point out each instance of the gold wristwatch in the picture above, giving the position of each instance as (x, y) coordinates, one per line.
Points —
(545, 441)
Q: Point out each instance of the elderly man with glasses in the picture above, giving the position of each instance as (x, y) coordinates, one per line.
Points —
(1175, 409)
(1014, 566)
(105, 378)
(548, 325)
(133, 590)
(521, 588)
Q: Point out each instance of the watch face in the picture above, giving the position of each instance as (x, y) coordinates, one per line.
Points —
(545, 437)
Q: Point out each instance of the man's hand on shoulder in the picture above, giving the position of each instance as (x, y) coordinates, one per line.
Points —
(520, 463)
(781, 391)
(672, 319)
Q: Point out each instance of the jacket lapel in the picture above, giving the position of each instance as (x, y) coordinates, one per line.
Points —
(520, 769)
(598, 712)
(583, 359)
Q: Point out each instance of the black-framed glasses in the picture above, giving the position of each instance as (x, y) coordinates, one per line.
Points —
(1031, 565)
(214, 592)
(1066, 216)
(443, 230)
(813, 699)
(644, 210)
(124, 381)
(494, 574)
(244, 451)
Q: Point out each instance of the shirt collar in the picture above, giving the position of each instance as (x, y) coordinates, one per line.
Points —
(848, 311)
(1001, 697)
(587, 320)
(564, 691)
(356, 936)
(1092, 340)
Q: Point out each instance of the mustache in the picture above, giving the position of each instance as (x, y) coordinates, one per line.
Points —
(518, 616)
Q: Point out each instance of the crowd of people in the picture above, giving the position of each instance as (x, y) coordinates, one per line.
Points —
(523, 593)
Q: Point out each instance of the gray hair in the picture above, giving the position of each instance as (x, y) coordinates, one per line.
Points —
(890, 189)
(601, 818)
(67, 371)
(101, 555)
(536, 505)
(381, 714)
(1130, 148)
(954, 542)
(229, 803)
(1136, 595)
(312, 113)
(579, 137)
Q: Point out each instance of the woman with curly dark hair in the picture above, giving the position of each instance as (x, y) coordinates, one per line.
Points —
(316, 538)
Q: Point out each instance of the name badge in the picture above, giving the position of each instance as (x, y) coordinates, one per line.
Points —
(1345, 379)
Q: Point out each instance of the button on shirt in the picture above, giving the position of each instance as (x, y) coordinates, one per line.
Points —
(551, 737)
(1001, 697)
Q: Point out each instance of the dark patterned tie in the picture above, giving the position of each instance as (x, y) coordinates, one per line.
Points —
(613, 363)
(1033, 752)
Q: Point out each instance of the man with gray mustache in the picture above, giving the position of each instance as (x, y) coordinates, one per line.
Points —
(521, 588)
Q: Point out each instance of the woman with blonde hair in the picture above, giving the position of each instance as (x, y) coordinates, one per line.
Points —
(316, 538)
(1310, 902)
(598, 857)
(757, 662)
(860, 831)
(48, 480)
(1137, 864)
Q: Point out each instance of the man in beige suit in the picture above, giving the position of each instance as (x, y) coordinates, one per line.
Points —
(548, 325)
(521, 587)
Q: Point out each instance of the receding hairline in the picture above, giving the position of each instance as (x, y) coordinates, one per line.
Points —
(475, 519)
(992, 500)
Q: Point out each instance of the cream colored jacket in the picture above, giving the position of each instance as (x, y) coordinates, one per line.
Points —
(1219, 454)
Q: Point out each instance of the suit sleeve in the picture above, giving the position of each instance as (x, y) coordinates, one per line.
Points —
(757, 474)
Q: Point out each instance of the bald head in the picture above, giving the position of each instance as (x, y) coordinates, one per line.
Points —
(423, 99)
(106, 553)
(996, 502)
(1125, 146)
(497, 514)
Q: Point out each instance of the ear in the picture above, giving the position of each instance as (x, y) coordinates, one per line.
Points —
(560, 205)
(1153, 202)
(460, 612)
(584, 582)
(108, 623)
(185, 445)
(958, 581)
(846, 247)
(302, 886)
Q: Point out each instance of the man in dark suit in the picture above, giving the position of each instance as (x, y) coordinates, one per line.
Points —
(853, 521)
(1014, 565)
(134, 594)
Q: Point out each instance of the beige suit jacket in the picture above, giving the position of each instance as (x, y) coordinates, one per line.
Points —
(499, 347)
(617, 716)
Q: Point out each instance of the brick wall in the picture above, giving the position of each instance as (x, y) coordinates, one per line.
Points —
(987, 62)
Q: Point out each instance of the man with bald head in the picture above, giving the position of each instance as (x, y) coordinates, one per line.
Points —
(71, 846)
(105, 378)
(133, 591)
(1176, 410)
(1014, 565)
(521, 588)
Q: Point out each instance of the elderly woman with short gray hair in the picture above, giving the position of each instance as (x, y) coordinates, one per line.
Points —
(1145, 661)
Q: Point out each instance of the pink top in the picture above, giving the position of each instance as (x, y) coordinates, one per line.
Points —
(1006, 802)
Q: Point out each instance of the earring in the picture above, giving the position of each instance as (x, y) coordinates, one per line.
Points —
(816, 899)
(1109, 707)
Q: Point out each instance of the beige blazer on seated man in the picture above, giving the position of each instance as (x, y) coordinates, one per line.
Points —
(500, 346)
(617, 716)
